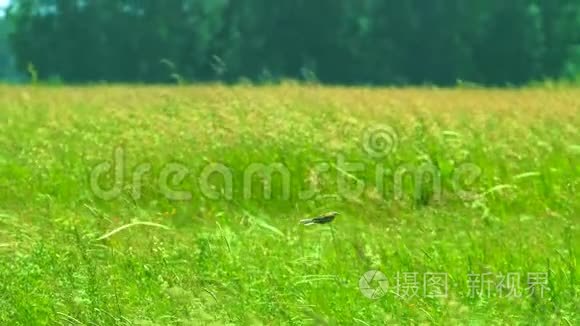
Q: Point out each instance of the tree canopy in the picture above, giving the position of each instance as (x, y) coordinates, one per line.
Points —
(334, 41)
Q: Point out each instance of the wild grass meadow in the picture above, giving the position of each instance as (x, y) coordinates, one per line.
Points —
(134, 205)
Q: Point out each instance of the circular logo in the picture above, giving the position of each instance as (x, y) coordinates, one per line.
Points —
(380, 141)
(373, 284)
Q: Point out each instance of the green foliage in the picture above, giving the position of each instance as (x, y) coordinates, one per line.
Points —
(7, 64)
(332, 41)
(32, 73)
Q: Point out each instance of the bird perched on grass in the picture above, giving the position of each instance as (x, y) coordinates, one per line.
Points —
(322, 219)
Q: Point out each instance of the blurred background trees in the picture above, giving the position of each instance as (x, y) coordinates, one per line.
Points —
(7, 61)
(333, 41)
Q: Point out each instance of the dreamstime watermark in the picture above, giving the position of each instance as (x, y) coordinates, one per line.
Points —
(275, 180)
(375, 284)
(380, 141)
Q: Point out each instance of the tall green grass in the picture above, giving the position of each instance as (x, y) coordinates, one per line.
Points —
(245, 259)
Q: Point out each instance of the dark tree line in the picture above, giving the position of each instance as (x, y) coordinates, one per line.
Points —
(333, 41)
(7, 69)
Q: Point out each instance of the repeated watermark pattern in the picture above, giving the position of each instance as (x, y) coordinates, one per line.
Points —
(258, 179)
(375, 284)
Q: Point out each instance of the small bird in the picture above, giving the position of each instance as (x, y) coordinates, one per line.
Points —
(322, 219)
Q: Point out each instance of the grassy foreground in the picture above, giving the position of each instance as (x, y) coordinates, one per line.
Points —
(500, 198)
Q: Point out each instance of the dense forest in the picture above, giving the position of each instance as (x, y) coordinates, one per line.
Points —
(395, 42)
(7, 64)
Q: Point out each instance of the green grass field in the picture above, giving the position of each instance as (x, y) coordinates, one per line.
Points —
(465, 200)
